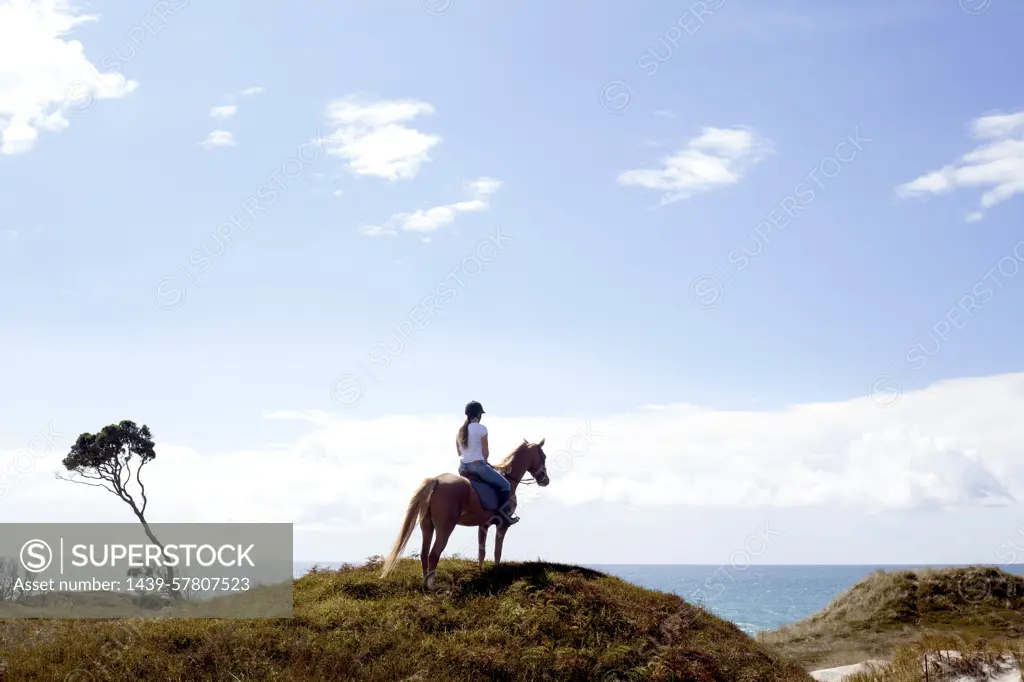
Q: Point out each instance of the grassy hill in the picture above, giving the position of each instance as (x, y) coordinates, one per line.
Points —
(516, 621)
(889, 609)
(255, 603)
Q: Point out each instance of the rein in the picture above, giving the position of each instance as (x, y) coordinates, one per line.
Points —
(505, 472)
(518, 480)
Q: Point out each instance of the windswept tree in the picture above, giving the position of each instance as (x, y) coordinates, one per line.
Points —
(109, 460)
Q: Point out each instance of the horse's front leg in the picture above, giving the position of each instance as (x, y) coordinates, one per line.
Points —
(499, 539)
(482, 549)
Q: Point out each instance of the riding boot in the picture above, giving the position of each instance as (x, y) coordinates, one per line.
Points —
(506, 514)
(495, 519)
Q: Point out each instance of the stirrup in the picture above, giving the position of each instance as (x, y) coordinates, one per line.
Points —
(500, 519)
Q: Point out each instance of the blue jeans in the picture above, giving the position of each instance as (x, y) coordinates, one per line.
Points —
(491, 475)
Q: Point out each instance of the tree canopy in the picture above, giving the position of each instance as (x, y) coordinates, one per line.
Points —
(108, 457)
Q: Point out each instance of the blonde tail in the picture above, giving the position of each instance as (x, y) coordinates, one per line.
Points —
(418, 507)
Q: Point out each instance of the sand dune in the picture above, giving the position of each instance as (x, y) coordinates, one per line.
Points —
(1005, 671)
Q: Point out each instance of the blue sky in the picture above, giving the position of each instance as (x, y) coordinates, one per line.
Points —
(588, 310)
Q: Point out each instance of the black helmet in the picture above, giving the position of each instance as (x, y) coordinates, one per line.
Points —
(474, 409)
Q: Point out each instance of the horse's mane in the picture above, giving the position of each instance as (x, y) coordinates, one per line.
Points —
(508, 458)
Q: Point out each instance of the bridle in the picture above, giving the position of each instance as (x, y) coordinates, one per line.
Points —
(519, 480)
(505, 472)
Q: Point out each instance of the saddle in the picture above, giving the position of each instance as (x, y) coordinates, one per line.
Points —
(488, 493)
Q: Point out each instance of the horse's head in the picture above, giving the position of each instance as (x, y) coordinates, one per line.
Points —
(536, 461)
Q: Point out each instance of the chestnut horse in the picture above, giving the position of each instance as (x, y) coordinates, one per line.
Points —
(443, 502)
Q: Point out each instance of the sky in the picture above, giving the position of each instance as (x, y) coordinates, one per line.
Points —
(751, 271)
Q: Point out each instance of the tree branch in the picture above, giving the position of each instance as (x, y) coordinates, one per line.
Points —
(93, 485)
(138, 479)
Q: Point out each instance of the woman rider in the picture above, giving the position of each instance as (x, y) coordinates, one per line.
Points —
(471, 444)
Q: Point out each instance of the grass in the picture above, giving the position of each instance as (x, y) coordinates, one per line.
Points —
(515, 621)
(889, 610)
(258, 602)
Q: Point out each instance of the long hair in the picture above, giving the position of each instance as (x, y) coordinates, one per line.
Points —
(464, 433)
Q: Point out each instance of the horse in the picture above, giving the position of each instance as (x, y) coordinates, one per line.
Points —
(443, 502)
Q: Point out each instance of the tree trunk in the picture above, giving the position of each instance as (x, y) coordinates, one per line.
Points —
(171, 589)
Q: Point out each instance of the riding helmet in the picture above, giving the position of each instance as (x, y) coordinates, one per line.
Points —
(474, 409)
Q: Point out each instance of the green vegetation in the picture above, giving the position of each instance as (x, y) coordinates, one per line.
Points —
(257, 602)
(887, 610)
(514, 621)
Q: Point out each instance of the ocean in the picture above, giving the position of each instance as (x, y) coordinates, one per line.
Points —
(755, 598)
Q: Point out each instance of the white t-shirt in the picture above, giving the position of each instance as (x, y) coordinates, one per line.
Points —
(473, 451)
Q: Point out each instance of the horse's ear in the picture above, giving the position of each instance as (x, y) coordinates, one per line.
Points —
(541, 443)
(526, 441)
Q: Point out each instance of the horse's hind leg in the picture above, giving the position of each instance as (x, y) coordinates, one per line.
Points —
(427, 527)
(444, 531)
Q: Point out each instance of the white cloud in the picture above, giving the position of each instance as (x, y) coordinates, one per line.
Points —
(43, 76)
(13, 234)
(374, 140)
(218, 138)
(996, 164)
(338, 193)
(717, 157)
(432, 219)
(954, 444)
(224, 111)
(484, 187)
(377, 231)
